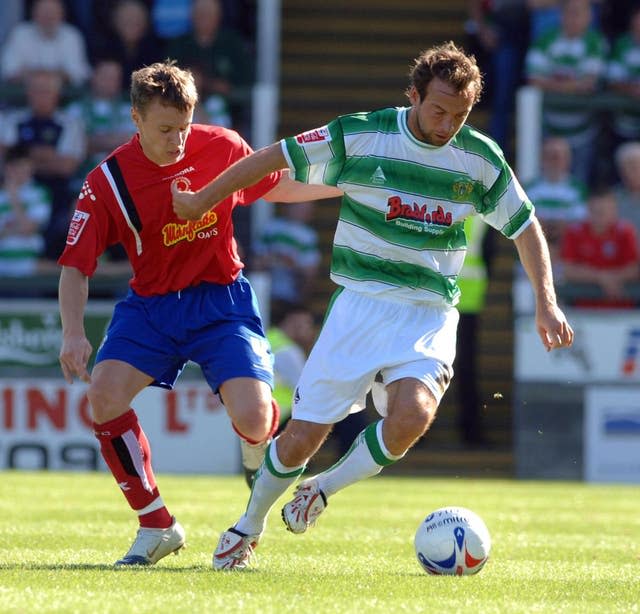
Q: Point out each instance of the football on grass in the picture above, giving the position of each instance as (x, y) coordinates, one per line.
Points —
(452, 541)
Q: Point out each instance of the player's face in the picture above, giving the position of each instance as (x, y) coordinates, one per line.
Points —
(437, 118)
(163, 131)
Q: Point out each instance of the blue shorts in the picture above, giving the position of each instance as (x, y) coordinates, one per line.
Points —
(216, 326)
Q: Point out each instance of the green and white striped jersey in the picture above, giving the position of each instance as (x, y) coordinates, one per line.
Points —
(400, 230)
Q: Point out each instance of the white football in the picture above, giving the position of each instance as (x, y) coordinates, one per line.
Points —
(452, 541)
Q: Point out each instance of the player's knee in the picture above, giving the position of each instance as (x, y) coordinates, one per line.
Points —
(257, 421)
(414, 421)
(104, 403)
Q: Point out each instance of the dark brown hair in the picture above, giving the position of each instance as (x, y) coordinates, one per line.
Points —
(448, 63)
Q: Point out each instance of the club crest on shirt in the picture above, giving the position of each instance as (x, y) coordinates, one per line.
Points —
(314, 136)
(461, 189)
(76, 226)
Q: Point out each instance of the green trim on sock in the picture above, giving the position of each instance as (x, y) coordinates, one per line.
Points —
(273, 471)
(371, 439)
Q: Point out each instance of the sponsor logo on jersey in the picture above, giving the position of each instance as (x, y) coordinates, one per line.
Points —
(314, 136)
(378, 177)
(416, 212)
(184, 171)
(173, 233)
(76, 226)
(86, 192)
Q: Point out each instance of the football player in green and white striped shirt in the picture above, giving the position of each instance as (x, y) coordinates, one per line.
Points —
(409, 178)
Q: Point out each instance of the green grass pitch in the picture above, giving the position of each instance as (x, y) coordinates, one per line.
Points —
(557, 547)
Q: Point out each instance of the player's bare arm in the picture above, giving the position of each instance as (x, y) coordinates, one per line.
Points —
(553, 328)
(192, 205)
(246, 172)
(289, 191)
(73, 291)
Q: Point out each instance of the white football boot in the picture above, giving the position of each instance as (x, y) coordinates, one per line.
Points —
(151, 545)
(235, 550)
(305, 507)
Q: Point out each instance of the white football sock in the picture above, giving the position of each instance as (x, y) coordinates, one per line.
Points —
(366, 457)
(271, 480)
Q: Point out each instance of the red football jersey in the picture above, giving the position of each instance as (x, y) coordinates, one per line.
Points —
(127, 199)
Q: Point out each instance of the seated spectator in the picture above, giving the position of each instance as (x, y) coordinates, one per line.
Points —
(624, 77)
(129, 39)
(288, 249)
(46, 42)
(627, 192)
(558, 197)
(57, 146)
(220, 55)
(25, 207)
(602, 250)
(570, 60)
(105, 111)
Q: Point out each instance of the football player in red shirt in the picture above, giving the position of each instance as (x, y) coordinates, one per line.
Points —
(188, 299)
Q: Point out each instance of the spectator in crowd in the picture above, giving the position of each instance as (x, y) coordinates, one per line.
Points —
(501, 28)
(57, 145)
(602, 250)
(624, 78)
(291, 335)
(288, 249)
(221, 56)
(627, 192)
(105, 111)
(46, 42)
(24, 210)
(570, 60)
(130, 39)
(559, 198)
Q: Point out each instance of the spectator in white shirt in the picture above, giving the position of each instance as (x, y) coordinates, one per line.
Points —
(46, 42)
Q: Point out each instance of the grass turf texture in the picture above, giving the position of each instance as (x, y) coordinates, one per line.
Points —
(557, 547)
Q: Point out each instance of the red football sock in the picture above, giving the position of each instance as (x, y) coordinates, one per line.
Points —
(125, 448)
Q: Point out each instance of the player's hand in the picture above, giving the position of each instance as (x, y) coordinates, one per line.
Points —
(74, 357)
(185, 203)
(553, 328)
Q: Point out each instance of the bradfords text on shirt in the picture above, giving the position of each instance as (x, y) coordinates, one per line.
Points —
(398, 209)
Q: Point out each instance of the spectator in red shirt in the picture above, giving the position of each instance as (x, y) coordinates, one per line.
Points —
(602, 250)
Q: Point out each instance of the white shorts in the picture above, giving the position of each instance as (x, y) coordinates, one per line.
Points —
(364, 335)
